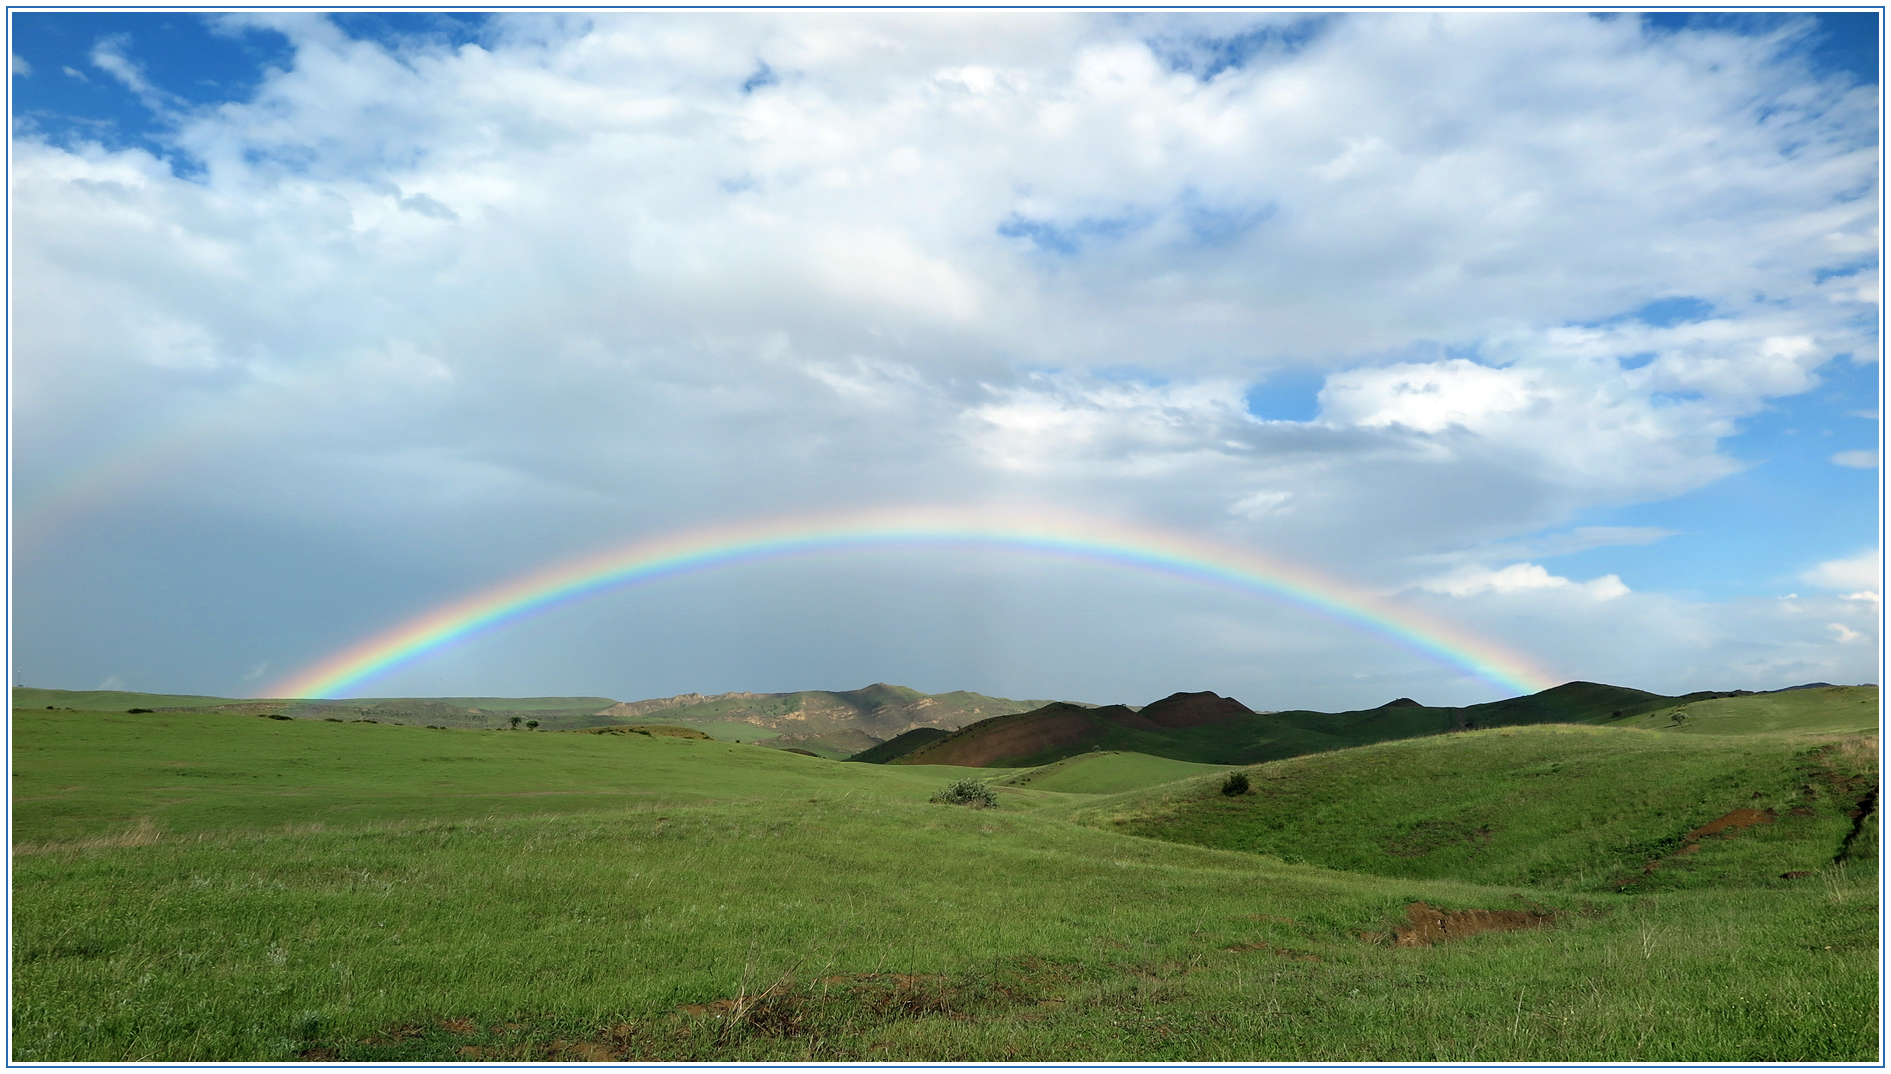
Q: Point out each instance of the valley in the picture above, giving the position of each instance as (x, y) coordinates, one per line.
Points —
(1574, 876)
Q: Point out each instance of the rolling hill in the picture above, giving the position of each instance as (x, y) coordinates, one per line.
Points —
(1574, 806)
(1209, 729)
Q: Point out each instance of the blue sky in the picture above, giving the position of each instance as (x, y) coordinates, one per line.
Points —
(1560, 328)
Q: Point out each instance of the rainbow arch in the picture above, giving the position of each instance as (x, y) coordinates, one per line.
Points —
(1064, 536)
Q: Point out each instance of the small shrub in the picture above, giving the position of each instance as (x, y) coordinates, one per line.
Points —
(531, 725)
(969, 792)
(137, 710)
(1235, 785)
(272, 716)
(334, 719)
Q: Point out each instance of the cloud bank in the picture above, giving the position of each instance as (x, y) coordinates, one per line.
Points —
(416, 316)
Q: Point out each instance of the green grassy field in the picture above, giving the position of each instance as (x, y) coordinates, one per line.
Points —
(215, 887)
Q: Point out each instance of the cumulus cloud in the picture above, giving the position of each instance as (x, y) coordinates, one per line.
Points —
(477, 306)
(1858, 460)
(1862, 574)
(1521, 576)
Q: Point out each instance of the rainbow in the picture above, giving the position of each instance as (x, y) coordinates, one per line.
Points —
(1063, 536)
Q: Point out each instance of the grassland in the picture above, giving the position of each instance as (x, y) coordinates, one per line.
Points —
(216, 887)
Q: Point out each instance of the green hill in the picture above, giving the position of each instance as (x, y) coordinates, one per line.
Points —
(1575, 807)
(1824, 709)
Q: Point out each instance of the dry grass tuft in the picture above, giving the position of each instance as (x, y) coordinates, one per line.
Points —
(1854, 752)
(142, 833)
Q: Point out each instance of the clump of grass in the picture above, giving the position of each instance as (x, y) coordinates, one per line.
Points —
(968, 792)
(1235, 785)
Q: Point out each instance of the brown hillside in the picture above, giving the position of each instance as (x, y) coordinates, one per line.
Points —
(1180, 710)
(1025, 734)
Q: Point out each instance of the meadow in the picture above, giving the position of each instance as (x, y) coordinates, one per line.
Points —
(204, 887)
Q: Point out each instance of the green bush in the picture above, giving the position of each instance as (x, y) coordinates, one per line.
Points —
(969, 792)
(1235, 785)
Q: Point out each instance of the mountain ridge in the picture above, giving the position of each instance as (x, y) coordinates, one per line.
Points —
(1207, 728)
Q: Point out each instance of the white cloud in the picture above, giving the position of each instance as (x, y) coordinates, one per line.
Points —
(1521, 576)
(108, 54)
(1671, 645)
(1860, 460)
(1863, 572)
(19, 66)
(1259, 504)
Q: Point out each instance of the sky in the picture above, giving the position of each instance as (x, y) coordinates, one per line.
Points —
(1558, 329)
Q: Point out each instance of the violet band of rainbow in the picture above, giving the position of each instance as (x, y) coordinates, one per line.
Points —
(1088, 540)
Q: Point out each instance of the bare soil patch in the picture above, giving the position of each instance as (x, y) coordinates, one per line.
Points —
(1427, 924)
(1732, 822)
(1726, 826)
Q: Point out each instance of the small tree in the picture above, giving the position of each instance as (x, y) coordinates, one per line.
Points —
(531, 725)
(515, 722)
(1235, 785)
(968, 792)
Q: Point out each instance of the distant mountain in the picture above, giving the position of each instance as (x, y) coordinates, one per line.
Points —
(834, 723)
(1210, 729)
(552, 713)
(839, 722)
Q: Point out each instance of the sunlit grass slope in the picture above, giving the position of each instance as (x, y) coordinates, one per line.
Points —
(1570, 806)
(1819, 710)
(1100, 772)
(234, 888)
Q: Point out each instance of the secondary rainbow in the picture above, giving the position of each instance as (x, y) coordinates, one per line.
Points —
(1064, 536)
